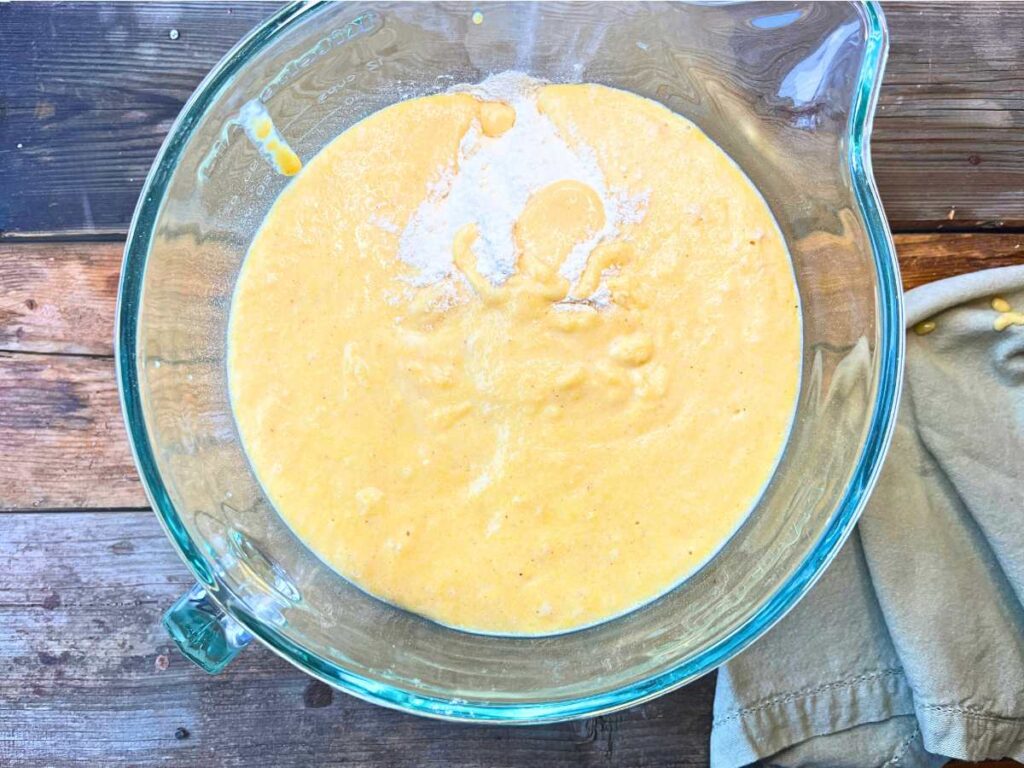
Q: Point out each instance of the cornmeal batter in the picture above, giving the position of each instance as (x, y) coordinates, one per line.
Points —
(518, 359)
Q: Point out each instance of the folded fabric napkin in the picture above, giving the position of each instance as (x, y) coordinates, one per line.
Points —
(910, 648)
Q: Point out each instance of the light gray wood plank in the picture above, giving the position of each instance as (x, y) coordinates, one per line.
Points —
(88, 678)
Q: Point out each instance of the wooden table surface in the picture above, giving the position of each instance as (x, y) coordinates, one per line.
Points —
(87, 675)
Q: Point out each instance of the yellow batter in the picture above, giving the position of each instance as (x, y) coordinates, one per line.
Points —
(533, 454)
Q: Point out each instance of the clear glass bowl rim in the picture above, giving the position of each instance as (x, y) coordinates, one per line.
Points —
(890, 350)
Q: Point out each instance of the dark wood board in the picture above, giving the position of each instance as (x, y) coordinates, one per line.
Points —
(89, 678)
(948, 144)
(89, 90)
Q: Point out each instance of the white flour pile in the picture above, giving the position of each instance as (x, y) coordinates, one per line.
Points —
(491, 183)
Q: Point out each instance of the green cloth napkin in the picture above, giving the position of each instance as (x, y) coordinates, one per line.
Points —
(910, 648)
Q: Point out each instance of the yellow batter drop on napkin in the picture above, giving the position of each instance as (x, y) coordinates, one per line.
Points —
(516, 359)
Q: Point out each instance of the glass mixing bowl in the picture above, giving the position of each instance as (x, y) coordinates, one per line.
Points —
(787, 89)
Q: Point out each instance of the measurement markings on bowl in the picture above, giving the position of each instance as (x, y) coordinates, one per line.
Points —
(361, 26)
(261, 131)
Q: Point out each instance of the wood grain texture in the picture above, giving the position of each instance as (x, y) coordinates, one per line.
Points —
(59, 298)
(60, 420)
(62, 436)
(948, 144)
(89, 678)
(925, 258)
(88, 92)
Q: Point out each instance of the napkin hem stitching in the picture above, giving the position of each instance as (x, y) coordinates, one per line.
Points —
(844, 683)
(901, 750)
(976, 714)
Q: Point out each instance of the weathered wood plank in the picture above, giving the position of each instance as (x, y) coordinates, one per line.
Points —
(88, 92)
(62, 436)
(60, 421)
(88, 678)
(948, 138)
(925, 258)
(59, 297)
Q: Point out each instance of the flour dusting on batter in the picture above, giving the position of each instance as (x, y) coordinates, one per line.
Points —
(491, 181)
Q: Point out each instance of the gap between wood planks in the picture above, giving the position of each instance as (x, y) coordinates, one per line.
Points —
(60, 420)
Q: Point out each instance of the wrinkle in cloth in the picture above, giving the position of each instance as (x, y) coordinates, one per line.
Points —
(910, 648)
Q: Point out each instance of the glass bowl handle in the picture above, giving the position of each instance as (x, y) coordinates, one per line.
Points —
(203, 632)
